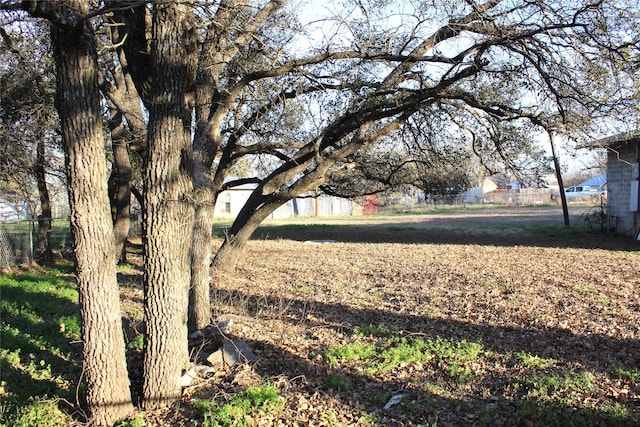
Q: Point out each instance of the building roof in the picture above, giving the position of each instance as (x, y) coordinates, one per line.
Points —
(620, 139)
(596, 181)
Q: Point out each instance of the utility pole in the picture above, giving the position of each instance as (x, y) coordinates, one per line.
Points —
(556, 165)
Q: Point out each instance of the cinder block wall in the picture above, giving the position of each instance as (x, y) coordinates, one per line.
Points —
(619, 186)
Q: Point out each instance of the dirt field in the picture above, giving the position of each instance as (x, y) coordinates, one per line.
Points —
(521, 322)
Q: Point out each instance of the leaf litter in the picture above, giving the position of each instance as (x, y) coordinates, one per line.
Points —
(559, 329)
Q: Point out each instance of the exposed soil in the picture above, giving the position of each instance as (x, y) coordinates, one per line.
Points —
(510, 280)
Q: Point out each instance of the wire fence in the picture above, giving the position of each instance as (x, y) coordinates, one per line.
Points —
(18, 240)
(524, 197)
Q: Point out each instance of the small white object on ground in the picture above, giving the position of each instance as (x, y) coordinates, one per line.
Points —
(394, 400)
(318, 242)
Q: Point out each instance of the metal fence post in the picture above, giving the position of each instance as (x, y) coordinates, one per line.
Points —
(31, 230)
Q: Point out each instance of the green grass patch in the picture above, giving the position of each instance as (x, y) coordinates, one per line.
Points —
(134, 421)
(352, 351)
(373, 331)
(236, 412)
(38, 413)
(301, 227)
(40, 319)
(564, 388)
(305, 289)
(338, 382)
(546, 229)
(558, 399)
(632, 374)
(125, 267)
(401, 228)
(388, 350)
(584, 289)
(533, 361)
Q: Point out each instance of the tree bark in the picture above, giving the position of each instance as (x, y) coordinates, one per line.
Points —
(43, 244)
(121, 199)
(168, 212)
(201, 250)
(256, 210)
(78, 103)
(204, 148)
(211, 109)
(232, 248)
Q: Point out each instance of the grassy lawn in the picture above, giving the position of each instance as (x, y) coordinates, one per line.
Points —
(40, 355)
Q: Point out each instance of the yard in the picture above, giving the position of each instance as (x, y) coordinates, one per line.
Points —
(494, 317)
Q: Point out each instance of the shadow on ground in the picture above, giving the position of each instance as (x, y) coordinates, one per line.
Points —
(504, 402)
(503, 227)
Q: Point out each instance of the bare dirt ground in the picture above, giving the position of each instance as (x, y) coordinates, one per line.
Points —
(554, 315)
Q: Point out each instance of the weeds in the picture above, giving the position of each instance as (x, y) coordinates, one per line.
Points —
(533, 361)
(304, 289)
(562, 388)
(136, 421)
(137, 343)
(349, 352)
(37, 360)
(391, 351)
(338, 382)
(584, 289)
(125, 267)
(632, 375)
(265, 398)
(373, 331)
(38, 413)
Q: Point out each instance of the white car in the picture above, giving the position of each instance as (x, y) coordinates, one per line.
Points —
(581, 193)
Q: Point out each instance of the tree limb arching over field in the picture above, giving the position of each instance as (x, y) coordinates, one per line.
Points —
(480, 64)
(303, 111)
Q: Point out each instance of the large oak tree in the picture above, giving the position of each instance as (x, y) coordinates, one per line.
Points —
(78, 104)
(168, 211)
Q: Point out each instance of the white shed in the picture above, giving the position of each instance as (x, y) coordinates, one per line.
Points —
(231, 201)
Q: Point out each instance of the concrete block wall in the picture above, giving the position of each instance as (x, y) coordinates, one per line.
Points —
(619, 179)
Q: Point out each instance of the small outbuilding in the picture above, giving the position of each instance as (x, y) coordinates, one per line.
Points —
(623, 198)
(231, 201)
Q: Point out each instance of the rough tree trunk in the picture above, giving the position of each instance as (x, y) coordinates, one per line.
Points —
(43, 244)
(205, 144)
(201, 254)
(168, 213)
(121, 200)
(231, 250)
(201, 248)
(78, 103)
(247, 221)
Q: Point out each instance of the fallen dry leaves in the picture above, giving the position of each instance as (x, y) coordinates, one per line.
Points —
(574, 305)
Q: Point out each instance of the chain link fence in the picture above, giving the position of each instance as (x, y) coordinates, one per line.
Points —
(19, 238)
